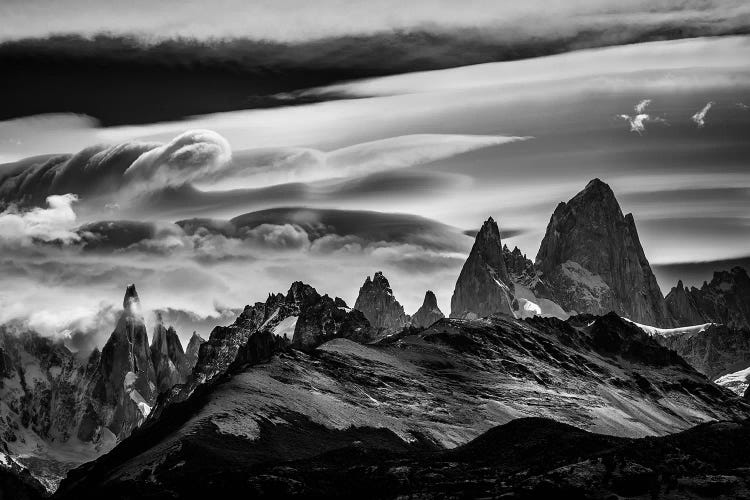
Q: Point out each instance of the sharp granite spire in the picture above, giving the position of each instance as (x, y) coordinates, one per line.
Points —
(593, 261)
(484, 286)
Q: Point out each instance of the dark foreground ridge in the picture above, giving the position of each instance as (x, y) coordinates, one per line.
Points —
(526, 458)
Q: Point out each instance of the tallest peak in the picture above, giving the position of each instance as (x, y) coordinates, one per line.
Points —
(597, 185)
(596, 182)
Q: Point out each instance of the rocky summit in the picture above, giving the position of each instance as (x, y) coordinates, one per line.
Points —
(380, 307)
(593, 262)
(725, 299)
(484, 286)
(428, 313)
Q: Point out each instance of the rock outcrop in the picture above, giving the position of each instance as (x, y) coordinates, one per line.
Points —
(170, 364)
(484, 286)
(428, 313)
(726, 300)
(193, 347)
(520, 268)
(380, 307)
(302, 318)
(593, 262)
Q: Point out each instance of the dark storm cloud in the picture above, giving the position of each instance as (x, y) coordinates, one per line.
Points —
(126, 80)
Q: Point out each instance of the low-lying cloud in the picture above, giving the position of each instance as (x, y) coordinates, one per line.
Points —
(23, 227)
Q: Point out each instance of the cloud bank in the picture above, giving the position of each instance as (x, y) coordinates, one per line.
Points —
(55, 223)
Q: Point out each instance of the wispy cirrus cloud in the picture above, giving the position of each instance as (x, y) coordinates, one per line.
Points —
(640, 118)
(699, 118)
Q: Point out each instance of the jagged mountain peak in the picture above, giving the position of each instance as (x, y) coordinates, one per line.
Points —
(484, 286)
(131, 303)
(377, 302)
(302, 293)
(379, 281)
(592, 258)
(597, 187)
(725, 299)
(428, 313)
(489, 232)
(429, 299)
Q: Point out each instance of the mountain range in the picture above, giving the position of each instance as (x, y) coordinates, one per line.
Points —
(580, 341)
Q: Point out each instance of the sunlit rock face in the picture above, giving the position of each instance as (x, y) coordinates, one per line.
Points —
(484, 286)
(428, 313)
(593, 261)
(725, 299)
(380, 307)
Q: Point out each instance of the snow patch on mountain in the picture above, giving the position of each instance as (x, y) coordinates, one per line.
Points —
(669, 332)
(529, 302)
(736, 382)
(286, 326)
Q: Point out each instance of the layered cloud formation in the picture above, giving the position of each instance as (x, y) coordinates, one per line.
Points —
(392, 175)
(123, 173)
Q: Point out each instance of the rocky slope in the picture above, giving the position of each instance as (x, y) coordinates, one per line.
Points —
(715, 351)
(484, 286)
(380, 307)
(42, 387)
(725, 299)
(431, 390)
(593, 262)
(428, 312)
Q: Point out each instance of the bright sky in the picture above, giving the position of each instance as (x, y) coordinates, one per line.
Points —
(509, 140)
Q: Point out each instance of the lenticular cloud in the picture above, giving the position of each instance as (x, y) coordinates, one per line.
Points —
(190, 156)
